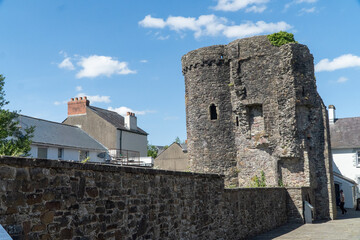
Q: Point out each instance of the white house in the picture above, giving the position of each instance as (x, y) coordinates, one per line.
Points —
(58, 141)
(345, 147)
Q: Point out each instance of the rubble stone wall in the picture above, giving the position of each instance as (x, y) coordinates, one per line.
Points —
(43, 199)
(270, 117)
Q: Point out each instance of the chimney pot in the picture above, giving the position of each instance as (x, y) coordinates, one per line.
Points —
(77, 107)
(332, 116)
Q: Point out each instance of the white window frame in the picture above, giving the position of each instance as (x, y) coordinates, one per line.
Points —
(46, 152)
(357, 159)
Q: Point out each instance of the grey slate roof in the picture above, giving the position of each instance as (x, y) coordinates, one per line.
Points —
(345, 133)
(53, 133)
(115, 119)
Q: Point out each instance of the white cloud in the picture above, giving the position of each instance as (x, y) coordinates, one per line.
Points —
(344, 61)
(250, 29)
(95, 66)
(163, 37)
(211, 25)
(123, 110)
(256, 9)
(57, 103)
(144, 61)
(79, 88)
(305, 1)
(342, 80)
(95, 98)
(150, 22)
(299, 2)
(66, 64)
(307, 10)
(235, 5)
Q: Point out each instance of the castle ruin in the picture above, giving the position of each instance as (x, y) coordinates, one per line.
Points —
(252, 107)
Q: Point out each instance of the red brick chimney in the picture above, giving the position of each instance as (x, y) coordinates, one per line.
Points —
(78, 106)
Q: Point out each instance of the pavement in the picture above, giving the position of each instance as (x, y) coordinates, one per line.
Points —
(345, 227)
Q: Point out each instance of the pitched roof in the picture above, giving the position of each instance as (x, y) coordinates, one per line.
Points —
(345, 178)
(53, 133)
(115, 119)
(345, 133)
(182, 146)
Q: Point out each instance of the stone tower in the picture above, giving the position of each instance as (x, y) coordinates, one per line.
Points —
(252, 107)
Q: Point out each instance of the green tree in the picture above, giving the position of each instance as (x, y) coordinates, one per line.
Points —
(13, 140)
(152, 151)
(177, 140)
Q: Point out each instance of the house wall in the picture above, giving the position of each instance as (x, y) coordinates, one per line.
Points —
(96, 127)
(69, 154)
(173, 158)
(344, 162)
(348, 188)
(133, 142)
(67, 200)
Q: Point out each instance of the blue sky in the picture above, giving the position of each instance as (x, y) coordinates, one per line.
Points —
(126, 55)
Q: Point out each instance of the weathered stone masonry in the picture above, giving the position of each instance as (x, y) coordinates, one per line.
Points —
(42, 199)
(252, 106)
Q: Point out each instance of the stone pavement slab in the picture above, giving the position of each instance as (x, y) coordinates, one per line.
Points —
(345, 227)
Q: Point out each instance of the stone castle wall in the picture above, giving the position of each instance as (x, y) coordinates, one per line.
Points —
(42, 199)
(269, 117)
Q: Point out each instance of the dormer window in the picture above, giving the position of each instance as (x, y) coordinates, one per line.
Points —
(213, 113)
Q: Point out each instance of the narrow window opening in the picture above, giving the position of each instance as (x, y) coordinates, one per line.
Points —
(303, 91)
(213, 113)
(237, 121)
(60, 153)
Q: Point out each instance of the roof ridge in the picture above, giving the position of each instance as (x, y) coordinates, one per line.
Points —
(106, 110)
(44, 120)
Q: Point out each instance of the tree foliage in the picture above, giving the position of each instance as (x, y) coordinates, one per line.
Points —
(13, 140)
(152, 151)
(281, 38)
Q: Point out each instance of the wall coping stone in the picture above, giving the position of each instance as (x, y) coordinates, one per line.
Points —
(34, 162)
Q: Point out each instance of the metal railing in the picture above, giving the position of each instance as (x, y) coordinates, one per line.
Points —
(124, 157)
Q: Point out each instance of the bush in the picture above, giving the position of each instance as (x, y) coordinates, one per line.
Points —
(281, 38)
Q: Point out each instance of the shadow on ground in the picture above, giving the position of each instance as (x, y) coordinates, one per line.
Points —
(347, 224)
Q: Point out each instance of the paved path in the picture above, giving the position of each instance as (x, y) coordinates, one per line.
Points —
(345, 227)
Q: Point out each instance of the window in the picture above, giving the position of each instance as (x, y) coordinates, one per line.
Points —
(60, 153)
(213, 113)
(42, 153)
(358, 158)
(83, 155)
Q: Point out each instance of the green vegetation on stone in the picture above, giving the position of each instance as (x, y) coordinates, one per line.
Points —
(258, 182)
(281, 38)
